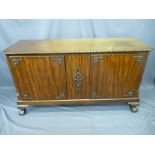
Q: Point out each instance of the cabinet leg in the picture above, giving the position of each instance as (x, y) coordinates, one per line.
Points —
(133, 106)
(22, 110)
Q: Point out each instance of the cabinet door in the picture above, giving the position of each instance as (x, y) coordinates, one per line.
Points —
(77, 70)
(116, 75)
(39, 77)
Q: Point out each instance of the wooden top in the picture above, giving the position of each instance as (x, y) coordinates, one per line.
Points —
(77, 46)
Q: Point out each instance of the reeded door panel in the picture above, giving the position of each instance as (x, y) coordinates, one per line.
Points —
(116, 75)
(78, 71)
(39, 77)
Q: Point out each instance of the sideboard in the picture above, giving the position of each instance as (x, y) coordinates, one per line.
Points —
(77, 71)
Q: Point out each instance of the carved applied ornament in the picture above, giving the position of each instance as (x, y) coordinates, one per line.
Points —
(77, 78)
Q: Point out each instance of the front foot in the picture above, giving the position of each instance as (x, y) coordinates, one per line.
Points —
(133, 106)
(22, 111)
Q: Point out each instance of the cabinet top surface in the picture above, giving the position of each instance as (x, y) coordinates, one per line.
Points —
(77, 46)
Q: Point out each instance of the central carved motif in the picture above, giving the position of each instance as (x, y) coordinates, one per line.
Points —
(78, 77)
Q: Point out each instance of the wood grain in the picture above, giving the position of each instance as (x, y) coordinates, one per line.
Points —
(82, 45)
(39, 77)
(72, 62)
(78, 101)
(86, 72)
(116, 75)
(103, 76)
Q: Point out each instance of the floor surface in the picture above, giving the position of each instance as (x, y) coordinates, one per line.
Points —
(80, 119)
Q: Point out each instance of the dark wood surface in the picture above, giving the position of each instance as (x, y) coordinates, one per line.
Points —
(77, 101)
(77, 71)
(39, 77)
(51, 79)
(116, 75)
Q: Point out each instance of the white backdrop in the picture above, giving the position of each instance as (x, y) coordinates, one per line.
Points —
(95, 119)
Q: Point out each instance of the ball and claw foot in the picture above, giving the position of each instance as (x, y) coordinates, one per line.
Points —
(22, 111)
(133, 106)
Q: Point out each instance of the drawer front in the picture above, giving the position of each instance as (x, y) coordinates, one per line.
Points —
(78, 72)
(39, 77)
(116, 75)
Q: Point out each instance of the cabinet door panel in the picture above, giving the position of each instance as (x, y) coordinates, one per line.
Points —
(77, 70)
(116, 76)
(39, 77)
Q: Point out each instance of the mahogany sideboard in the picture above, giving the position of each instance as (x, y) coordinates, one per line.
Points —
(77, 71)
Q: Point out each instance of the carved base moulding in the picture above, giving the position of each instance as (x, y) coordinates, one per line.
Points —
(77, 71)
(133, 103)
